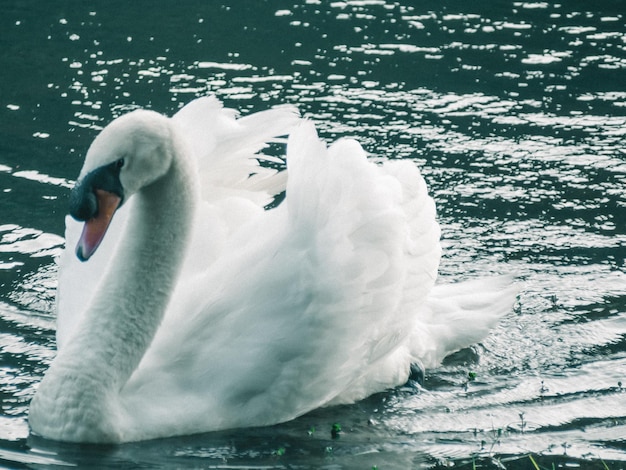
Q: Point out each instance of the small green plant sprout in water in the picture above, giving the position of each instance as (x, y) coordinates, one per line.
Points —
(279, 452)
(311, 431)
(335, 430)
(471, 376)
(523, 421)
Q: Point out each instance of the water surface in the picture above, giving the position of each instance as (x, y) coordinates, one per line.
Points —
(516, 112)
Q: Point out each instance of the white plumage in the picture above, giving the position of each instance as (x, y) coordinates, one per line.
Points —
(201, 310)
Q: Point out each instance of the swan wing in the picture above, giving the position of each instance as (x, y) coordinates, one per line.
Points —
(229, 149)
(303, 301)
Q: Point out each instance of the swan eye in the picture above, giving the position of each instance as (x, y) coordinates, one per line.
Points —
(119, 163)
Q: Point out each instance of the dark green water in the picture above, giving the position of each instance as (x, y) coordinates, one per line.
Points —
(516, 112)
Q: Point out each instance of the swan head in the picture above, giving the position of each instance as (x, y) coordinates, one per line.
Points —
(130, 153)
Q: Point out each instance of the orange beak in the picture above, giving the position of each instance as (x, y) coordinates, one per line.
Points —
(96, 227)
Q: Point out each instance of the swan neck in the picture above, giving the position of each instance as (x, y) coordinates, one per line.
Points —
(116, 330)
(144, 271)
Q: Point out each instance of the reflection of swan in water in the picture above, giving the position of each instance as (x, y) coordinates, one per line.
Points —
(202, 311)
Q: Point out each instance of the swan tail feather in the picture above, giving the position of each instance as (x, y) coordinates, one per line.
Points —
(461, 314)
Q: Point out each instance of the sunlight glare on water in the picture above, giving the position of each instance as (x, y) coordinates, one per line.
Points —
(516, 113)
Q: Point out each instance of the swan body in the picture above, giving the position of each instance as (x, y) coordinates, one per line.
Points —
(197, 309)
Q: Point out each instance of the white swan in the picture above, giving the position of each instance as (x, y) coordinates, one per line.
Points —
(201, 311)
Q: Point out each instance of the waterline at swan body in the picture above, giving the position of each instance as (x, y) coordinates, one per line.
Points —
(191, 308)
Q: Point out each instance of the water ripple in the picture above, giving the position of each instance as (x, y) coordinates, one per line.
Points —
(515, 112)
